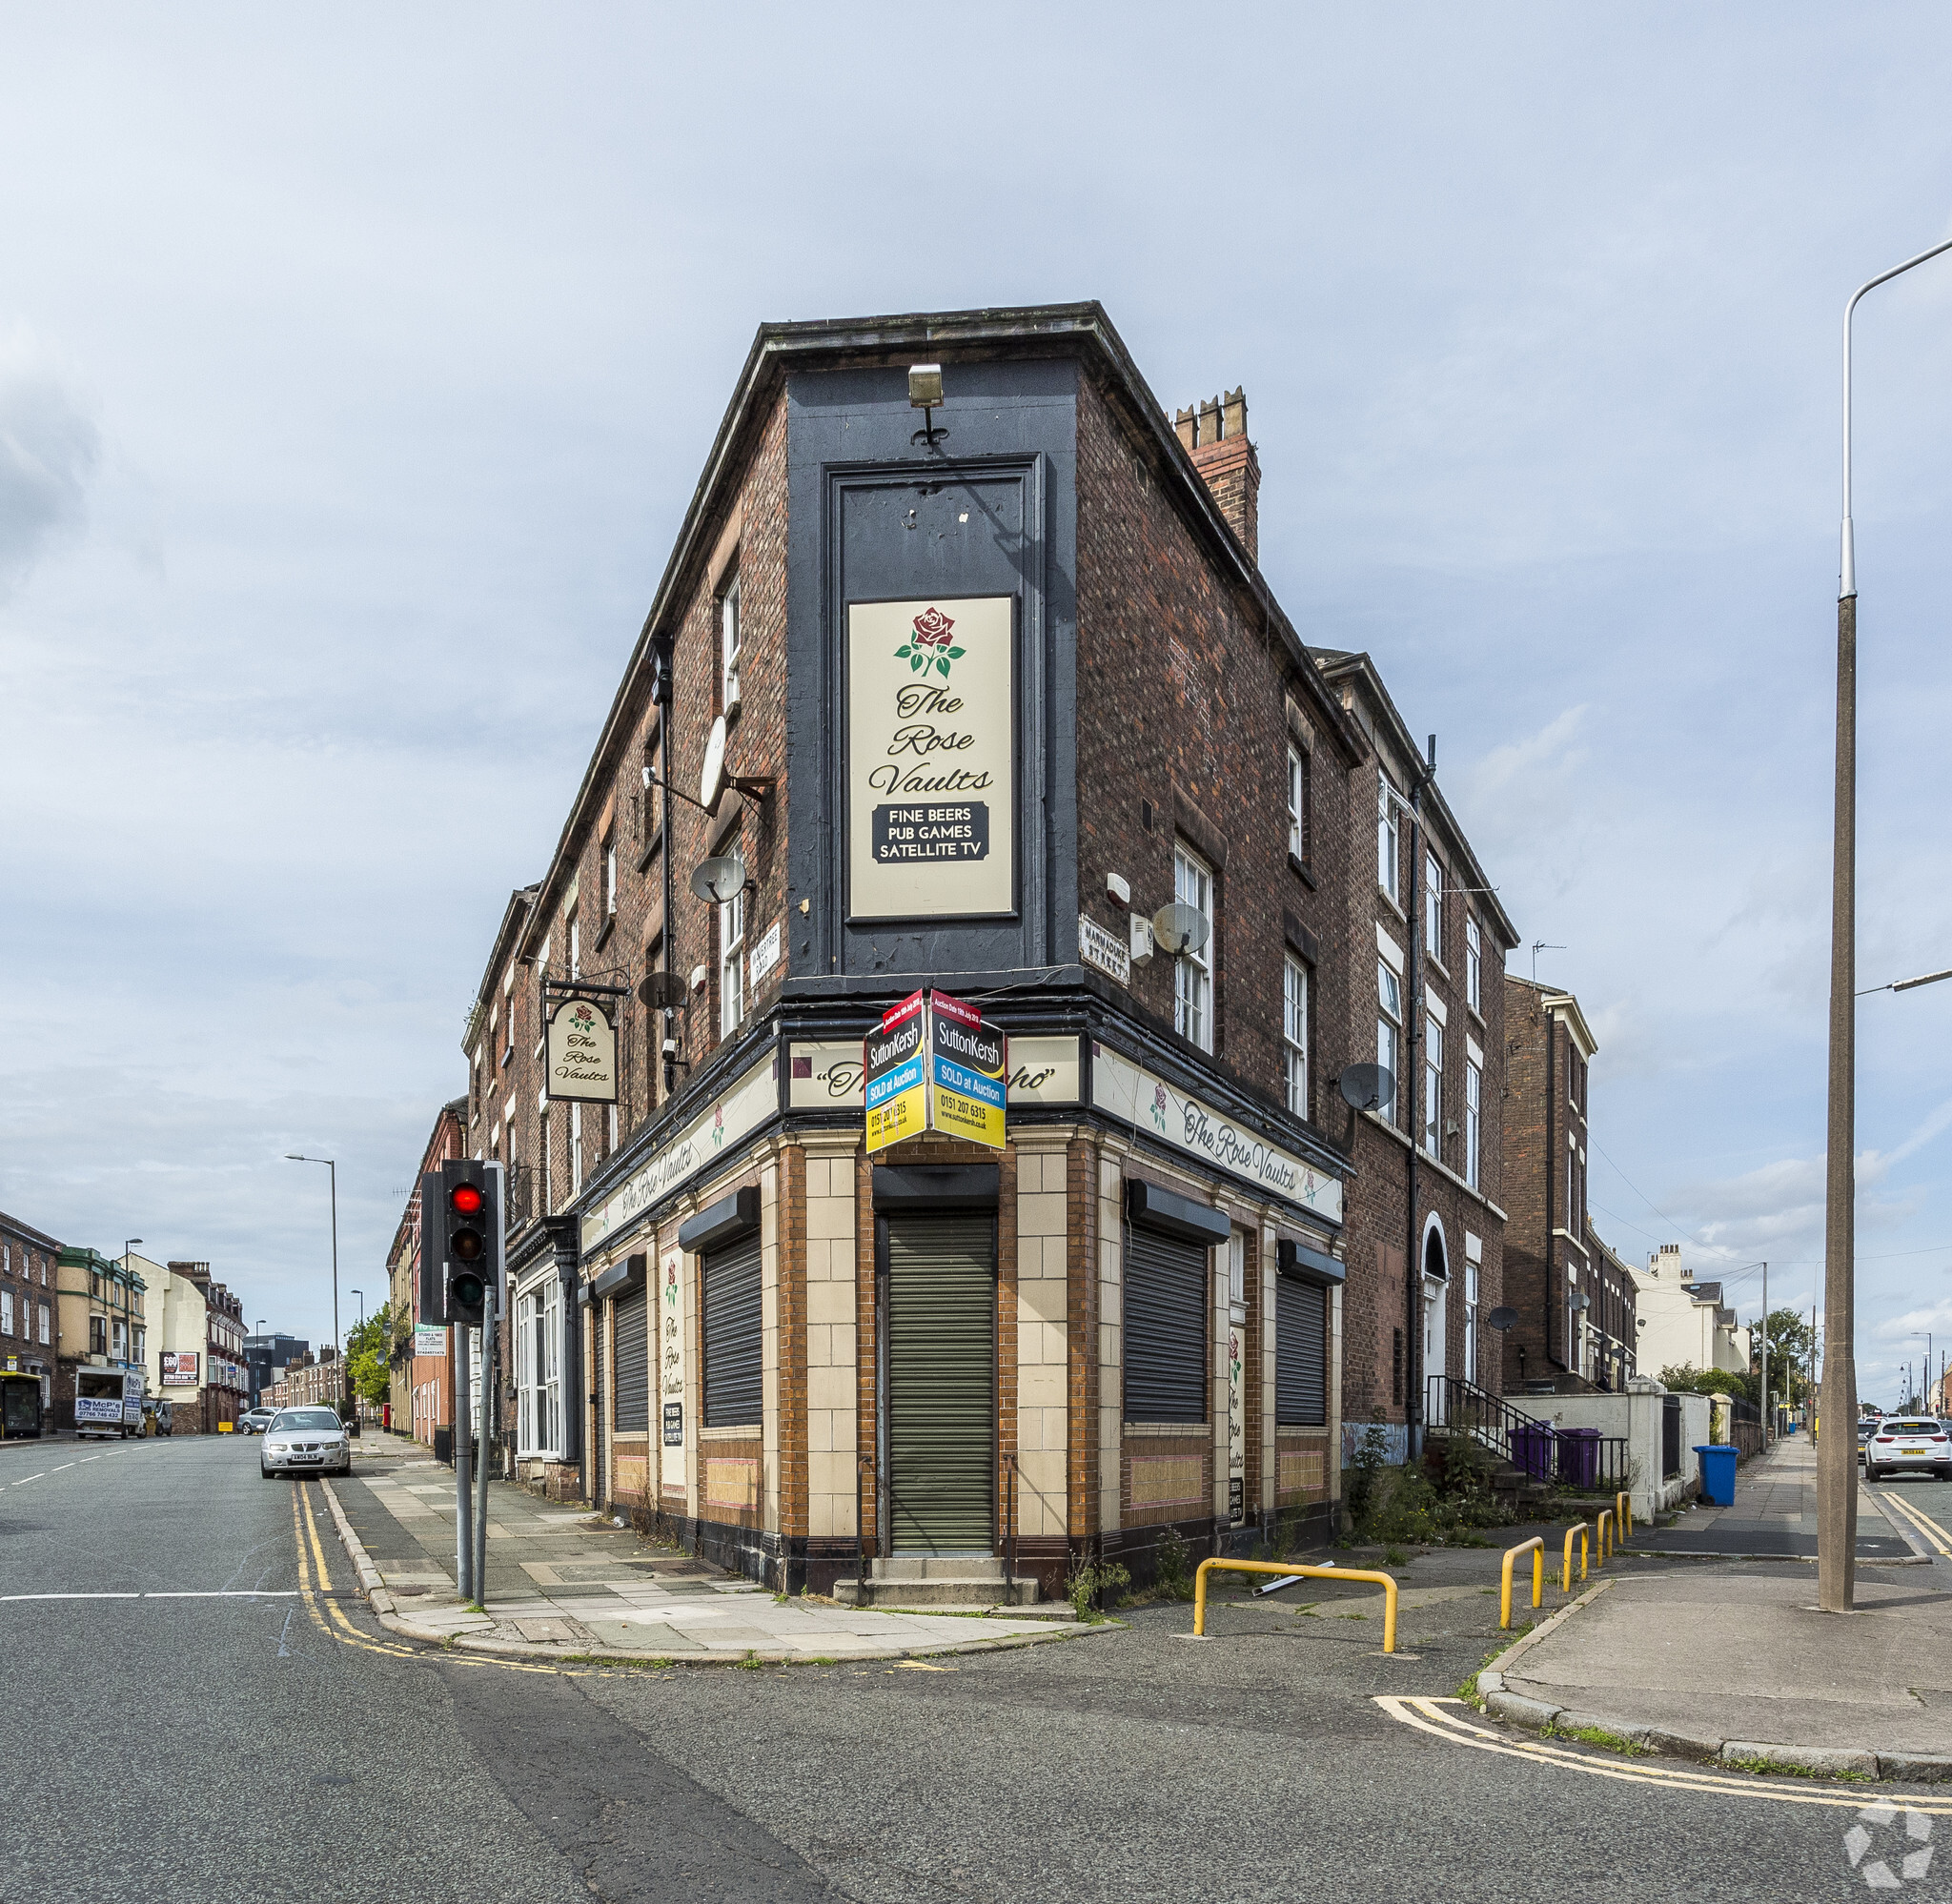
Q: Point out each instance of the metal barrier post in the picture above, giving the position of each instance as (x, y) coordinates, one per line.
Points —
(1584, 1533)
(1535, 1547)
(1601, 1529)
(1624, 1503)
(1289, 1569)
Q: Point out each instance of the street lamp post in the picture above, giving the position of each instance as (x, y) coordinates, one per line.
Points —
(331, 1164)
(1836, 1453)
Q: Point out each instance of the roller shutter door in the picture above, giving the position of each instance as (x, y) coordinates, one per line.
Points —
(1165, 1317)
(631, 1361)
(730, 1326)
(942, 1382)
(1301, 1353)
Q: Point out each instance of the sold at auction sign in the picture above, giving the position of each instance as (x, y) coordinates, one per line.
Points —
(935, 1064)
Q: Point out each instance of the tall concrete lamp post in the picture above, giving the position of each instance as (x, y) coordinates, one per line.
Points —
(331, 1164)
(1837, 1450)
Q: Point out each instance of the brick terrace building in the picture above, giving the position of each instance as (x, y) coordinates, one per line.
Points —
(725, 1311)
(28, 1302)
(100, 1320)
(1428, 939)
(420, 1388)
(1574, 1298)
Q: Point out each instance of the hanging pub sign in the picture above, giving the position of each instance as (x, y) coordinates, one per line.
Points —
(968, 1072)
(582, 1052)
(936, 1063)
(895, 1070)
(930, 749)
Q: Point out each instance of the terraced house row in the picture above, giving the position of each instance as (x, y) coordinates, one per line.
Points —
(963, 679)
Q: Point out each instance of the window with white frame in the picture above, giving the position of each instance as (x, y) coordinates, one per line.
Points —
(1192, 971)
(1390, 1034)
(1236, 1266)
(1294, 1033)
(538, 1370)
(1434, 907)
(576, 948)
(1470, 1285)
(1473, 966)
(1432, 1084)
(6, 1312)
(576, 1149)
(729, 645)
(43, 1324)
(1388, 850)
(732, 964)
(1474, 1112)
(610, 876)
(1297, 805)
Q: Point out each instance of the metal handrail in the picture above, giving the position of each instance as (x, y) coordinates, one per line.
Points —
(1488, 1419)
(1290, 1570)
(1535, 1547)
(1585, 1533)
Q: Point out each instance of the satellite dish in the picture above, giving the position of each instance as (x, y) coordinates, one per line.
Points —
(1366, 1086)
(1180, 928)
(719, 880)
(711, 783)
(663, 991)
(1502, 1319)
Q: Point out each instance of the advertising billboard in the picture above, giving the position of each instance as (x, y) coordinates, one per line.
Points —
(180, 1367)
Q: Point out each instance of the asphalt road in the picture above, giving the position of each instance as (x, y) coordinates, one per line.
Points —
(272, 1744)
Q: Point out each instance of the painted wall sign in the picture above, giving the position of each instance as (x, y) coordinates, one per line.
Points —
(742, 1107)
(966, 1071)
(895, 1067)
(1136, 1096)
(930, 749)
(825, 1075)
(1104, 950)
(582, 1053)
(671, 1368)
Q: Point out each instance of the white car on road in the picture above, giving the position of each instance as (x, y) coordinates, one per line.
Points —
(305, 1441)
(1909, 1442)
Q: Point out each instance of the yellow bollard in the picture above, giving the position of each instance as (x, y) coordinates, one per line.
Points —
(1623, 1503)
(1535, 1547)
(1584, 1533)
(1602, 1528)
(1283, 1567)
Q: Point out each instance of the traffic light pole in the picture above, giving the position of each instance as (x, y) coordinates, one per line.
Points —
(486, 1416)
(464, 1518)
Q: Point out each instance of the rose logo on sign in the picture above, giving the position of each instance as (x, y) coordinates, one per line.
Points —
(929, 642)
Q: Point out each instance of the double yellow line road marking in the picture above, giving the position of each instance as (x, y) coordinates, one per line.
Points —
(1929, 1529)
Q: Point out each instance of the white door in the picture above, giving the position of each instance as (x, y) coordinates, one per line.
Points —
(1434, 1349)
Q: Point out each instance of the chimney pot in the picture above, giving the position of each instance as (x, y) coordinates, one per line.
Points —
(1186, 427)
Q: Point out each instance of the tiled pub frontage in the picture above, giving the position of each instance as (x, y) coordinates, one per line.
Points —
(1047, 1355)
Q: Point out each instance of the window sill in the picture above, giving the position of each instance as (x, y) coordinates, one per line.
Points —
(1383, 894)
(1430, 958)
(1298, 866)
(710, 1434)
(651, 849)
(603, 937)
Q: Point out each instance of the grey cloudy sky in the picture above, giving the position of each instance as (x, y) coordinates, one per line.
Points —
(357, 365)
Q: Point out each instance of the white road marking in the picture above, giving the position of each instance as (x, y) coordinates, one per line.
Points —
(85, 1459)
(25, 1478)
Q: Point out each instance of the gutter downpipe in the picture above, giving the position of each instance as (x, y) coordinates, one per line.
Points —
(1420, 777)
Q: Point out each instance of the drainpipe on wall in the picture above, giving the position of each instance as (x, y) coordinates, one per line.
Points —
(1421, 776)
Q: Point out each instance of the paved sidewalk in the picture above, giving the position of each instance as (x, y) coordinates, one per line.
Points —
(1735, 1662)
(563, 1583)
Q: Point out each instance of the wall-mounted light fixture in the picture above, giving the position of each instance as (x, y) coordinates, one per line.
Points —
(924, 393)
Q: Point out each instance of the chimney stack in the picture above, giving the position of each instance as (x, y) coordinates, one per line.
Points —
(1214, 435)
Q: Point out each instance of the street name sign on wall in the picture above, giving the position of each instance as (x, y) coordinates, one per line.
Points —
(966, 1071)
(1104, 950)
(582, 1053)
(894, 1066)
(930, 752)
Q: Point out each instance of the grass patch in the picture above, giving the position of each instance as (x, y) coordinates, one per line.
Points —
(751, 1663)
(1775, 1768)
(1394, 1556)
(1598, 1735)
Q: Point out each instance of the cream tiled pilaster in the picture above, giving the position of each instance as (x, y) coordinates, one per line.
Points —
(1110, 1332)
(831, 1333)
(769, 1343)
(1043, 1336)
(1269, 1323)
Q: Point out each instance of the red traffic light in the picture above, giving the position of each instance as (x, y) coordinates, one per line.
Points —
(464, 1198)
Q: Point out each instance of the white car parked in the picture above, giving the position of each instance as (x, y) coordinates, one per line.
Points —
(305, 1441)
(1911, 1442)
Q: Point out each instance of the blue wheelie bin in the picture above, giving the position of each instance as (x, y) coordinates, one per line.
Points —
(1718, 1473)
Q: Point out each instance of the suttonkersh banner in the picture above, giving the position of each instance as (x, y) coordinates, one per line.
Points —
(936, 1063)
(931, 755)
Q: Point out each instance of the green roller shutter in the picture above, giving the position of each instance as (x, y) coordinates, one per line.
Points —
(1301, 1353)
(731, 1329)
(631, 1360)
(942, 1382)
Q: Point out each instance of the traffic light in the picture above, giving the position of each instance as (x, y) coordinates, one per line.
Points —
(460, 1242)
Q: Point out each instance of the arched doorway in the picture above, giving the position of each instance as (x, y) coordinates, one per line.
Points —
(1436, 1282)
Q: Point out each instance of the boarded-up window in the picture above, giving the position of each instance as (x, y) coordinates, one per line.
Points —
(1166, 1304)
(729, 1279)
(631, 1363)
(1301, 1353)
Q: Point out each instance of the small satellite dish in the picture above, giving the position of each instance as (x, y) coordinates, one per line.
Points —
(1366, 1086)
(663, 991)
(711, 783)
(1502, 1319)
(1180, 928)
(719, 880)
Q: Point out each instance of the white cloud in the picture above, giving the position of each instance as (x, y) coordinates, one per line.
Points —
(48, 451)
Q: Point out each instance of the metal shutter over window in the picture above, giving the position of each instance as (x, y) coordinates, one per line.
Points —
(1301, 1353)
(1166, 1314)
(728, 1280)
(630, 1358)
(942, 1382)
